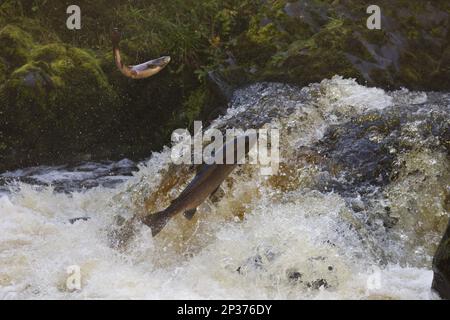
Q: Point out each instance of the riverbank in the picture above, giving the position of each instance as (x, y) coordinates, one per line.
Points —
(62, 100)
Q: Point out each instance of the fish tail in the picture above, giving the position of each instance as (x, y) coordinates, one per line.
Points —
(157, 221)
(115, 37)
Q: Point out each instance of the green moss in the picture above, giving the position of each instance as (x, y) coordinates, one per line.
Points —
(28, 89)
(48, 52)
(81, 90)
(15, 45)
(11, 8)
(445, 250)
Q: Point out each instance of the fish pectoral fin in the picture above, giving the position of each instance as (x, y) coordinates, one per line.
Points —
(190, 213)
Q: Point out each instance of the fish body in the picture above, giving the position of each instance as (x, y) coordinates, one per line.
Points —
(205, 183)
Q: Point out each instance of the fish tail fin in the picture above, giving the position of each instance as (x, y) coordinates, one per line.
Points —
(115, 37)
(157, 221)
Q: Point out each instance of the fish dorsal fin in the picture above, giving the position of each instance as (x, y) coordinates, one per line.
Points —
(190, 213)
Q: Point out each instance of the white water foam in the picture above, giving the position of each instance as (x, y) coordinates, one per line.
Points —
(293, 245)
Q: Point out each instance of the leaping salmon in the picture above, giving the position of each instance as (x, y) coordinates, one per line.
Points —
(140, 71)
(206, 182)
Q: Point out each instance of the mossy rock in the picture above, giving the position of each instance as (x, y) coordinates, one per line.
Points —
(62, 96)
(289, 41)
(15, 45)
(30, 83)
(10, 8)
(48, 53)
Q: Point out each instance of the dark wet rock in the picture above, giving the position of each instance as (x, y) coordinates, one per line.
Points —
(317, 38)
(441, 267)
(225, 79)
(74, 220)
(317, 284)
(68, 179)
(363, 151)
(294, 276)
(220, 85)
(391, 166)
(258, 262)
(331, 244)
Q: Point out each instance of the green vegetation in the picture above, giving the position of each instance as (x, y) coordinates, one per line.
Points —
(62, 98)
(3, 71)
(14, 45)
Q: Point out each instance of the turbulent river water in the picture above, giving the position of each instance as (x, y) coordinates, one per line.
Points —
(357, 210)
